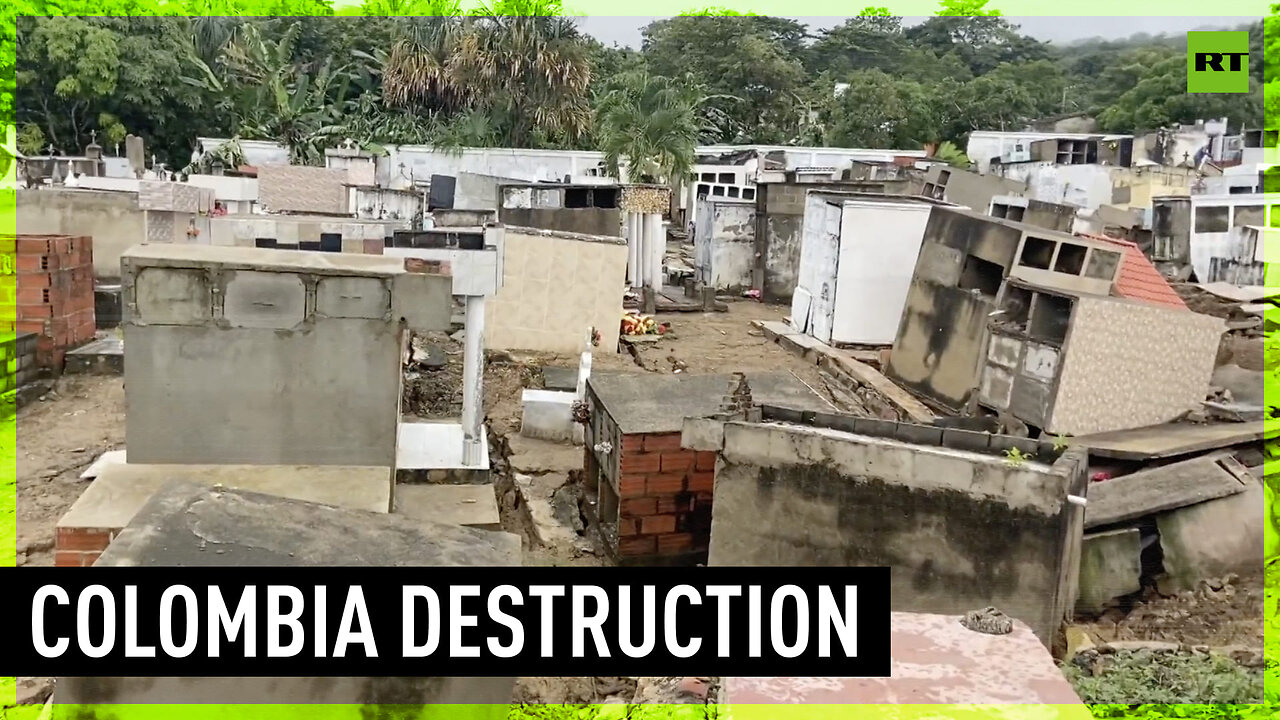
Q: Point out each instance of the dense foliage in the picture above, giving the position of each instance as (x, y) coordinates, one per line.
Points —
(518, 73)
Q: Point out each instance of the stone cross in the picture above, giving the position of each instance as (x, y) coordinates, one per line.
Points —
(52, 150)
(93, 137)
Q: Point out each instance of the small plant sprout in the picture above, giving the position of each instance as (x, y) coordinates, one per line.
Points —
(1060, 442)
(1015, 457)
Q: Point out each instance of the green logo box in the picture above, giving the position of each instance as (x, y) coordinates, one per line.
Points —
(1218, 61)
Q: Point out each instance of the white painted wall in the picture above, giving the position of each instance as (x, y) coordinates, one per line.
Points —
(1086, 186)
(879, 245)
(1207, 245)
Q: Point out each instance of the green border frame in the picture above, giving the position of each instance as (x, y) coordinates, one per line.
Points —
(8, 421)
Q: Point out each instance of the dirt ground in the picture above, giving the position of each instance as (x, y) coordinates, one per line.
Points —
(1225, 612)
(57, 438)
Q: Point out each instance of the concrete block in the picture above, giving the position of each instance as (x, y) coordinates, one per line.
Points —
(702, 434)
(547, 414)
(559, 378)
(875, 427)
(466, 505)
(966, 440)
(353, 297)
(919, 434)
(265, 300)
(1213, 538)
(167, 296)
(1110, 566)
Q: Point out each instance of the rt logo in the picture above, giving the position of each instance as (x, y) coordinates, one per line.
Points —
(1218, 61)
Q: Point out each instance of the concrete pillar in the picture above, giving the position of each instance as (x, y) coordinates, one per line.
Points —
(473, 380)
(633, 249)
(657, 248)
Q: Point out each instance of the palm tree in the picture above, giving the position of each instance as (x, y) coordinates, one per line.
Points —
(652, 123)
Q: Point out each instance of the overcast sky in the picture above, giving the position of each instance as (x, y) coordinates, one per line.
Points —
(626, 30)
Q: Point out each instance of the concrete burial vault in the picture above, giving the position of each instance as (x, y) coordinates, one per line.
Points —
(961, 526)
(192, 525)
(252, 356)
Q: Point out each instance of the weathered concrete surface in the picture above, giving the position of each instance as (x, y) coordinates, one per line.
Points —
(963, 259)
(1213, 538)
(961, 530)
(268, 356)
(467, 505)
(1110, 566)
(936, 660)
(187, 525)
(651, 403)
(1161, 488)
(100, 357)
(534, 456)
(121, 490)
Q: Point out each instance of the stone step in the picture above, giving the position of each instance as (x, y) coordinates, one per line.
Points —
(466, 505)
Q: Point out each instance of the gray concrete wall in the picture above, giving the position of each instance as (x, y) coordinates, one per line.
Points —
(975, 191)
(473, 191)
(112, 219)
(262, 367)
(960, 530)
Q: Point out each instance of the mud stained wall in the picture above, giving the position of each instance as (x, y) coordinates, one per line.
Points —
(587, 221)
(960, 531)
(962, 262)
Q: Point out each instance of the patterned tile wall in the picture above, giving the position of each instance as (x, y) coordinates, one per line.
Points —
(1130, 365)
(297, 188)
(554, 288)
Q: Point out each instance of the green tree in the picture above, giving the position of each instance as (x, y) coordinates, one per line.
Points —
(742, 62)
(880, 111)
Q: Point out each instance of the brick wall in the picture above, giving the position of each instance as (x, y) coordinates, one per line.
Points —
(664, 497)
(80, 547)
(54, 296)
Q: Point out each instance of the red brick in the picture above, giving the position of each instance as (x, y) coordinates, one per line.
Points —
(702, 482)
(632, 443)
(74, 558)
(638, 507)
(635, 546)
(81, 539)
(644, 463)
(664, 484)
(632, 485)
(627, 527)
(705, 461)
(30, 263)
(674, 543)
(677, 462)
(35, 280)
(32, 246)
(662, 442)
(657, 524)
(674, 504)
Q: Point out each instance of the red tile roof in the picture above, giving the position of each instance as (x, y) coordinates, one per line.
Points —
(1139, 279)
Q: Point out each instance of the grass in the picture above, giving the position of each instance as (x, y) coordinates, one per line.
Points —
(1146, 677)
